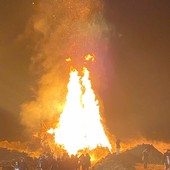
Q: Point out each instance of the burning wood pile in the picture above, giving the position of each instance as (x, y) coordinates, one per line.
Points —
(80, 124)
(79, 128)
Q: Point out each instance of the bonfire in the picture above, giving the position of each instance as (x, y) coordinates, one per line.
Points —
(80, 124)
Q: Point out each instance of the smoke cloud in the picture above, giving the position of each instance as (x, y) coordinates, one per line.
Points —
(61, 29)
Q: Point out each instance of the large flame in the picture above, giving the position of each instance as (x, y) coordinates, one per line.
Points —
(80, 124)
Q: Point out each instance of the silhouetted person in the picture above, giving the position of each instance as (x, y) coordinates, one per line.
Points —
(65, 162)
(41, 163)
(117, 146)
(87, 161)
(166, 159)
(77, 162)
(145, 157)
(23, 165)
(82, 161)
(56, 164)
(16, 166)
(73, 162)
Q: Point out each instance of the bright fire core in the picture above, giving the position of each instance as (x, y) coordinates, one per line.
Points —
(80, 124)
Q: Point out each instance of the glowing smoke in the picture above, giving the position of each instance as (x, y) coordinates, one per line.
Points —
(23, 147)
(64, 28)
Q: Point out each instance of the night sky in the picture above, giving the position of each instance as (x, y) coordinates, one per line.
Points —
(136, 97)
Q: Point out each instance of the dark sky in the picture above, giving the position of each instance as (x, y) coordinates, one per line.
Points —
(138, 100)
(141, 92)
(14, 65)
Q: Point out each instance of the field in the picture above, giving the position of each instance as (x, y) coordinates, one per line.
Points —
(150, 167)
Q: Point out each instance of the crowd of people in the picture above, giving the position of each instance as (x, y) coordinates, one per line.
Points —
(81, 162)
(71, 163)
(66, 162)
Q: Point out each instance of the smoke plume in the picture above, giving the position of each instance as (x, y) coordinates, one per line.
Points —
(61, 29)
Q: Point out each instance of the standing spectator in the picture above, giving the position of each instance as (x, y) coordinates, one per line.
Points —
(117, 146)
(16, 166)
(145, 157)
(87, 161)
(82, 161)
(166, 159)
(23, 165)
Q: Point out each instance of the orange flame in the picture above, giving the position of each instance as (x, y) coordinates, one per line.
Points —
(50, 131)
(89, 57)
(68, 59)
(80, 122)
